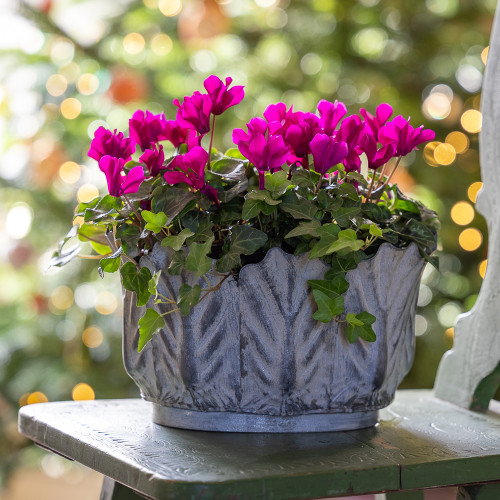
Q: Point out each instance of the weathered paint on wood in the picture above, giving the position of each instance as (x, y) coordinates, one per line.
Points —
(476, 350)
(420, 442)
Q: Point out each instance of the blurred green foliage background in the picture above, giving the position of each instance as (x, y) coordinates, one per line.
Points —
(69, 66)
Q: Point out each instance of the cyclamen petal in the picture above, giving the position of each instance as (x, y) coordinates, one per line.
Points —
(110, 143)
(327, 152)
(153, 158)
(194, 112)
(145, 128)
(172, 131)
(330, 115)
(220, 95)
(406, 138)
(188, 168)
(119, 184)
(133, 180)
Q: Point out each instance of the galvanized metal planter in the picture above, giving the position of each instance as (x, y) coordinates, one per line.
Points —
(250, 357)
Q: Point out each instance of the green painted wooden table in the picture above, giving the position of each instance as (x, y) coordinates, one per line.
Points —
(421, 442)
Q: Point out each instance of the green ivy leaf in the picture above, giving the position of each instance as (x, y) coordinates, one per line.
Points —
(170, 200)
(327, 307)
(228, 262)
(129, 236)
(235, 153)
(136, 281)
(377, 213)
(262, 195)
(154, 221)
(276, 183)
(246, 240)
(188, 297)
(347, 240)
(359, 325)
(332, 288)
(305, 178)
(149, 324)
(343, 214)
(299, 208)
(375, 230)
(176, 241)
(197, 259)
(177, 263)
(341, 264)
(305, 228)
(153, 283)
(110, 264)
(330, 230)
(251, 208)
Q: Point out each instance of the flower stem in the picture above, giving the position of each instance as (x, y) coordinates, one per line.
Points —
(370, 189)
(386, 182)
(318, 186)
(211, 142)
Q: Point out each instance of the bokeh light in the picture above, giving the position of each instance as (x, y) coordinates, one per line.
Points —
(470, 239)
(87, 192)
(472, 121)
(92, 337)
(473, 191)
(161, 44)
(18, 221)
(82, 392)
(134, 43)
(444, 154)
(71, 108)
(37, 397)
(484, 55)
(56, 85)
(70, 172)
(462, 213)
(459, 141)
(87, 84)
(62, 298)
(170, 8)
(106, 303)
(482, 268)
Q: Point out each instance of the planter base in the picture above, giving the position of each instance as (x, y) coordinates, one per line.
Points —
(220, 421)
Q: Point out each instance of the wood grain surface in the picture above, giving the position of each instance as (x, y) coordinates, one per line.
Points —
(420, 442)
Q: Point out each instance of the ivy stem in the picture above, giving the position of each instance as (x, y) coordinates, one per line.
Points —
(93, 257)
(211, 142)
(170, 312)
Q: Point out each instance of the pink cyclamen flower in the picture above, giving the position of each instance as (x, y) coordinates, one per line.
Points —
(330, 114)
(189, 168)
(265, 151)
(118, 182)
(110, 143)
(175, 133)
(326, 152)
(194, 112)
(299, 135)
(349, 132)
(279, 118)
(153, 158)
(221, 95)
(145, 128)
(376, 157)
(382, 114)
(406, 138)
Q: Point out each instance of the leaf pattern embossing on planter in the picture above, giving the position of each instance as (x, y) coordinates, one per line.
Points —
(252, 346)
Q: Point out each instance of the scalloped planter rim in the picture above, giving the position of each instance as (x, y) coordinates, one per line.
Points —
(250, 357)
